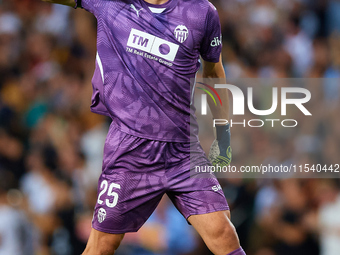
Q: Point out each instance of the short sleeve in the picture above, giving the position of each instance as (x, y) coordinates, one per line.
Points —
(89, 5)
(211, 45)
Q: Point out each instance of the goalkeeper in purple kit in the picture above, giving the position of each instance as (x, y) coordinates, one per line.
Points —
(147, 53)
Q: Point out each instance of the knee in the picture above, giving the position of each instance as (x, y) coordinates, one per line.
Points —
(100, 250)
(224, 237)
(103, 246)
(226, 232)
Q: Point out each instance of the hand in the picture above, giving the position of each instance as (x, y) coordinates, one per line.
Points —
(220, 151)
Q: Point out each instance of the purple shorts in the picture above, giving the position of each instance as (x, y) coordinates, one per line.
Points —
(137, 172)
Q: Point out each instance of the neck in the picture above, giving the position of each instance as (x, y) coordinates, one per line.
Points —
(156, 1)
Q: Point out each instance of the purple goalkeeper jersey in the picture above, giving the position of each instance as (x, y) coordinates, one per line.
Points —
(146, 60)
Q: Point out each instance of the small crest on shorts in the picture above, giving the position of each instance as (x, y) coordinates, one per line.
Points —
(101, 215)
(181, 33)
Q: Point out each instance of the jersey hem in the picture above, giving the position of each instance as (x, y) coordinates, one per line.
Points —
(151, 137)
(144, 136)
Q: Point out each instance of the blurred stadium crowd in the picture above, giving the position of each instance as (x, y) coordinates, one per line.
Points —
(51, 145)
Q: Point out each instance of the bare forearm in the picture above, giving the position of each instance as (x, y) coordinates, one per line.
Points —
(64, 2)
(218, 111)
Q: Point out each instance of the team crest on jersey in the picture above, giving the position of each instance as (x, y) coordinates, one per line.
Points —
(181, 33)
(101, 215)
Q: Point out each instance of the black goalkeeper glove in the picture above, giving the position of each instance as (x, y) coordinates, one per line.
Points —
(220, 151)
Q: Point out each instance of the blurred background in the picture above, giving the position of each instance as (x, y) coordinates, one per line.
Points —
(51, 145)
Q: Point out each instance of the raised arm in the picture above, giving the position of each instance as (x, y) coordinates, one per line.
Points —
(71, 3)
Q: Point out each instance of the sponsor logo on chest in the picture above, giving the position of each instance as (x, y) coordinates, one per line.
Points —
(152, 44)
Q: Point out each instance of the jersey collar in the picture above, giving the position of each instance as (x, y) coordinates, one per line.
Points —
(169, 5)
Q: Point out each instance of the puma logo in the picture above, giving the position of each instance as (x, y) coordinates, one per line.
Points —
(135, 9)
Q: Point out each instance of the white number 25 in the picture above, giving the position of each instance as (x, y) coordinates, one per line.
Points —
(104, 185)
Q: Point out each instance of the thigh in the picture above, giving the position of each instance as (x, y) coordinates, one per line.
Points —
(210, 223)
(131, 184)
(194, 194)
(198, 196)
(125, 201)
